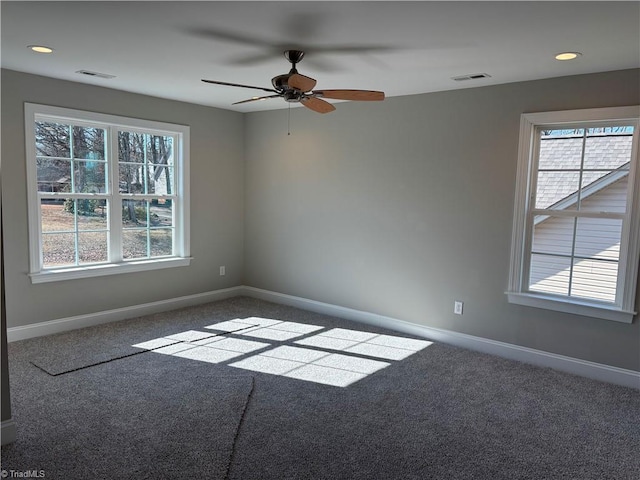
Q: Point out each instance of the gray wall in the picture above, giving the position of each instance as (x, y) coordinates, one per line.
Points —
(396, 208)
(5, 407)
(217, 209)
(399, 208)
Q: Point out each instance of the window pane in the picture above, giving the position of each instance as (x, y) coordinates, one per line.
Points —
(161, 242)
(160, 180)
(598, 238)
(590, 180)
(131, 178)
(52, 140)
(161, 213)
(160, 150)
(560, 149)
(553, 187)
(131, 146)
(607, 195)
(96, 219)
(605, 151)
(58, 249)
(81, 206)
(134, 244)
(88, 143)
(92, 247)
(553, 235)
(595, 279)
(134, 213)
(53, 175)
(550, 274)
(54, 217)
(89, 177)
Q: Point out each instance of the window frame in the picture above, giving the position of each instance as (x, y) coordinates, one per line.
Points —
(111, 123)
(623, 310)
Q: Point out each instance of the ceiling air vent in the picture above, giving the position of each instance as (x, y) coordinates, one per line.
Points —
(473, 76)
(95, 74)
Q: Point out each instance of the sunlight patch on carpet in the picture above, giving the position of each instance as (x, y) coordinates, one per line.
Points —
(318, 364)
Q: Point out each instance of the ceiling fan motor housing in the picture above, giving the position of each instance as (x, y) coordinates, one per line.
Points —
(292, 95)
(281, 82)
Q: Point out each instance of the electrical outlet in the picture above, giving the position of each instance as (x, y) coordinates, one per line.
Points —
(457, 307)
(222, 270)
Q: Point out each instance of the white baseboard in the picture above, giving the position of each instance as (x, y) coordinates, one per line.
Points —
(596, 371)
(8, 431)
(91, 319)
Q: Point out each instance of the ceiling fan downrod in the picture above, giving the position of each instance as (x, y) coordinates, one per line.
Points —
(294, 57)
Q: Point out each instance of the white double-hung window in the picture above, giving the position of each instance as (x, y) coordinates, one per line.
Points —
(106, 194)
(576, 234)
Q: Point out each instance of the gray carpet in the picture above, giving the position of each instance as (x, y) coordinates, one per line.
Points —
(77, 349)
(440, 413)
(148, 418)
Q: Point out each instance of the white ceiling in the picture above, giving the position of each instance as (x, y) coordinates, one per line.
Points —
(403, 48)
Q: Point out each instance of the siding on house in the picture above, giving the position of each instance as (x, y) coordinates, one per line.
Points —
(592, 170)
(596, 238)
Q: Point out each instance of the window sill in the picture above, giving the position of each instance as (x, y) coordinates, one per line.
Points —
(72, 273)
(576, 307)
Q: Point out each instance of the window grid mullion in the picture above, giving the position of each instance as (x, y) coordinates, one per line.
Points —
(76, 235)
(581, 172)
(76, 246)
(148, 228)
(579, 257)
(582, 214)
(145, 179)
(575, 219)
(573, 255)
(71, 161)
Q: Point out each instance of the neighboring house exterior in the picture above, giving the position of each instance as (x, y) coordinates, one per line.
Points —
(597, 240)
(52, 178)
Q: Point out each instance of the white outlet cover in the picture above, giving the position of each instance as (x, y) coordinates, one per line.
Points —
(457, 307)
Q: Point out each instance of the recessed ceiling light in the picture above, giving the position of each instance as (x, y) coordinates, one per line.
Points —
(41, 48)
(567, 55)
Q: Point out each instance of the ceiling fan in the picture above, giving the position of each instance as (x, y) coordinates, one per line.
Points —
(296, 88)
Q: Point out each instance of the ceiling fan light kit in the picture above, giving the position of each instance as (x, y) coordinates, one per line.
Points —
(296, 88)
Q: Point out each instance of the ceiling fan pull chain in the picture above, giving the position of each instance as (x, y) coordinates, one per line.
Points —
(289, 121)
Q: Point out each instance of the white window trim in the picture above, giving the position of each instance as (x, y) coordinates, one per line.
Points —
(629, 257)
(182, 225)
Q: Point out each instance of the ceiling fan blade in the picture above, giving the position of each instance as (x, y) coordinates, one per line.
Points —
(255, 99)
(357, 95)
(238, 85)
(317, 105)
(300, 82)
